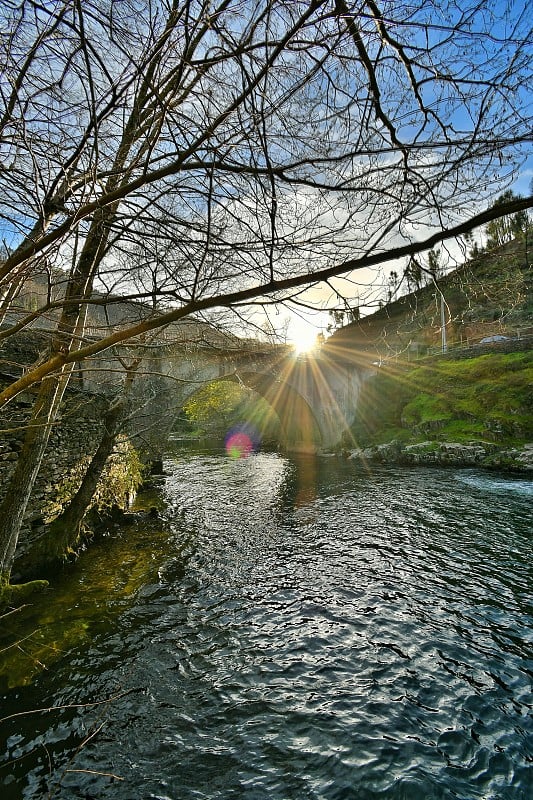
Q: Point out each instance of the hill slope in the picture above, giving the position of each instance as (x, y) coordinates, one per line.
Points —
(492, 294)
(487, 398)
(415, 406)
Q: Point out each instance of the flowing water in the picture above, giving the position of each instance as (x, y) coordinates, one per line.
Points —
(295, 629)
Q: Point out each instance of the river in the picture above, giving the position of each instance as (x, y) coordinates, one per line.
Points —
(291, 630)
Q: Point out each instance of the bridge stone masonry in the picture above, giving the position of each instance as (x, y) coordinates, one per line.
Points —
(314, 396)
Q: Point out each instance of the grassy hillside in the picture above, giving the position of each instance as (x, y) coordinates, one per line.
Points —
(491, 294)
(486, 398)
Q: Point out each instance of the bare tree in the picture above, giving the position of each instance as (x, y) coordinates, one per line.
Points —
(206, 154)
(65, 531)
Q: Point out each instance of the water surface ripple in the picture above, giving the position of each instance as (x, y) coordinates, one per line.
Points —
(311, 631)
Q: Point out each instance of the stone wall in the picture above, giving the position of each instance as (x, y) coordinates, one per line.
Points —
(74, 437)
(72, 443)
(510, 345)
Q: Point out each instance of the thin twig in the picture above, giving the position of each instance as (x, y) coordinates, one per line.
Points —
(19, 608)
(96, 772)
(72, 705)
(17, 644)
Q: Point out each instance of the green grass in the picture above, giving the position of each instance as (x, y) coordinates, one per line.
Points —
(488, 397)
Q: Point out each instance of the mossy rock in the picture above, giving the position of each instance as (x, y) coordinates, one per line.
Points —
(13, 595)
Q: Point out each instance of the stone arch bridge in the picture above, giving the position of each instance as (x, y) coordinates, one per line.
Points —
(315, 396)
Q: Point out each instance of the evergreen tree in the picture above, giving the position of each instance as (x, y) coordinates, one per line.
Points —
(434, 267)
(506, 228)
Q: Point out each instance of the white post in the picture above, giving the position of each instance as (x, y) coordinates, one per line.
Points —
(443, 323)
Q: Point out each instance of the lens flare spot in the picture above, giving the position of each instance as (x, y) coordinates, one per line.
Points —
(240, 443)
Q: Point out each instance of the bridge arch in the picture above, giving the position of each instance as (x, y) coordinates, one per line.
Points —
(315, 397)
(299, 428)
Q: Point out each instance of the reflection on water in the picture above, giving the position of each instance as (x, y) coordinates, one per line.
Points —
(306, 475)
(296, 629)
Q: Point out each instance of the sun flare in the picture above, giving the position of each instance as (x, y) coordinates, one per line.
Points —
(304, 340)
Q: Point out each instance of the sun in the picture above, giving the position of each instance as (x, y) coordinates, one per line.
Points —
(303, 339)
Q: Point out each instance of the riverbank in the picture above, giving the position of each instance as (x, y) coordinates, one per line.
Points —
(472, 412)
(483, 455)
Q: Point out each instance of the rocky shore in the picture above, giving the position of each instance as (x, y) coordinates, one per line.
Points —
(477, 453)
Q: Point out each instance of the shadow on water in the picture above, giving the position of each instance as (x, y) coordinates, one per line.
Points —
(83, 598)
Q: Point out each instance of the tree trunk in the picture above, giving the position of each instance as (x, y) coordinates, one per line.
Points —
(71, 519)
(67, 338)
(14, 506)
(69, 330)
(64, 532)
